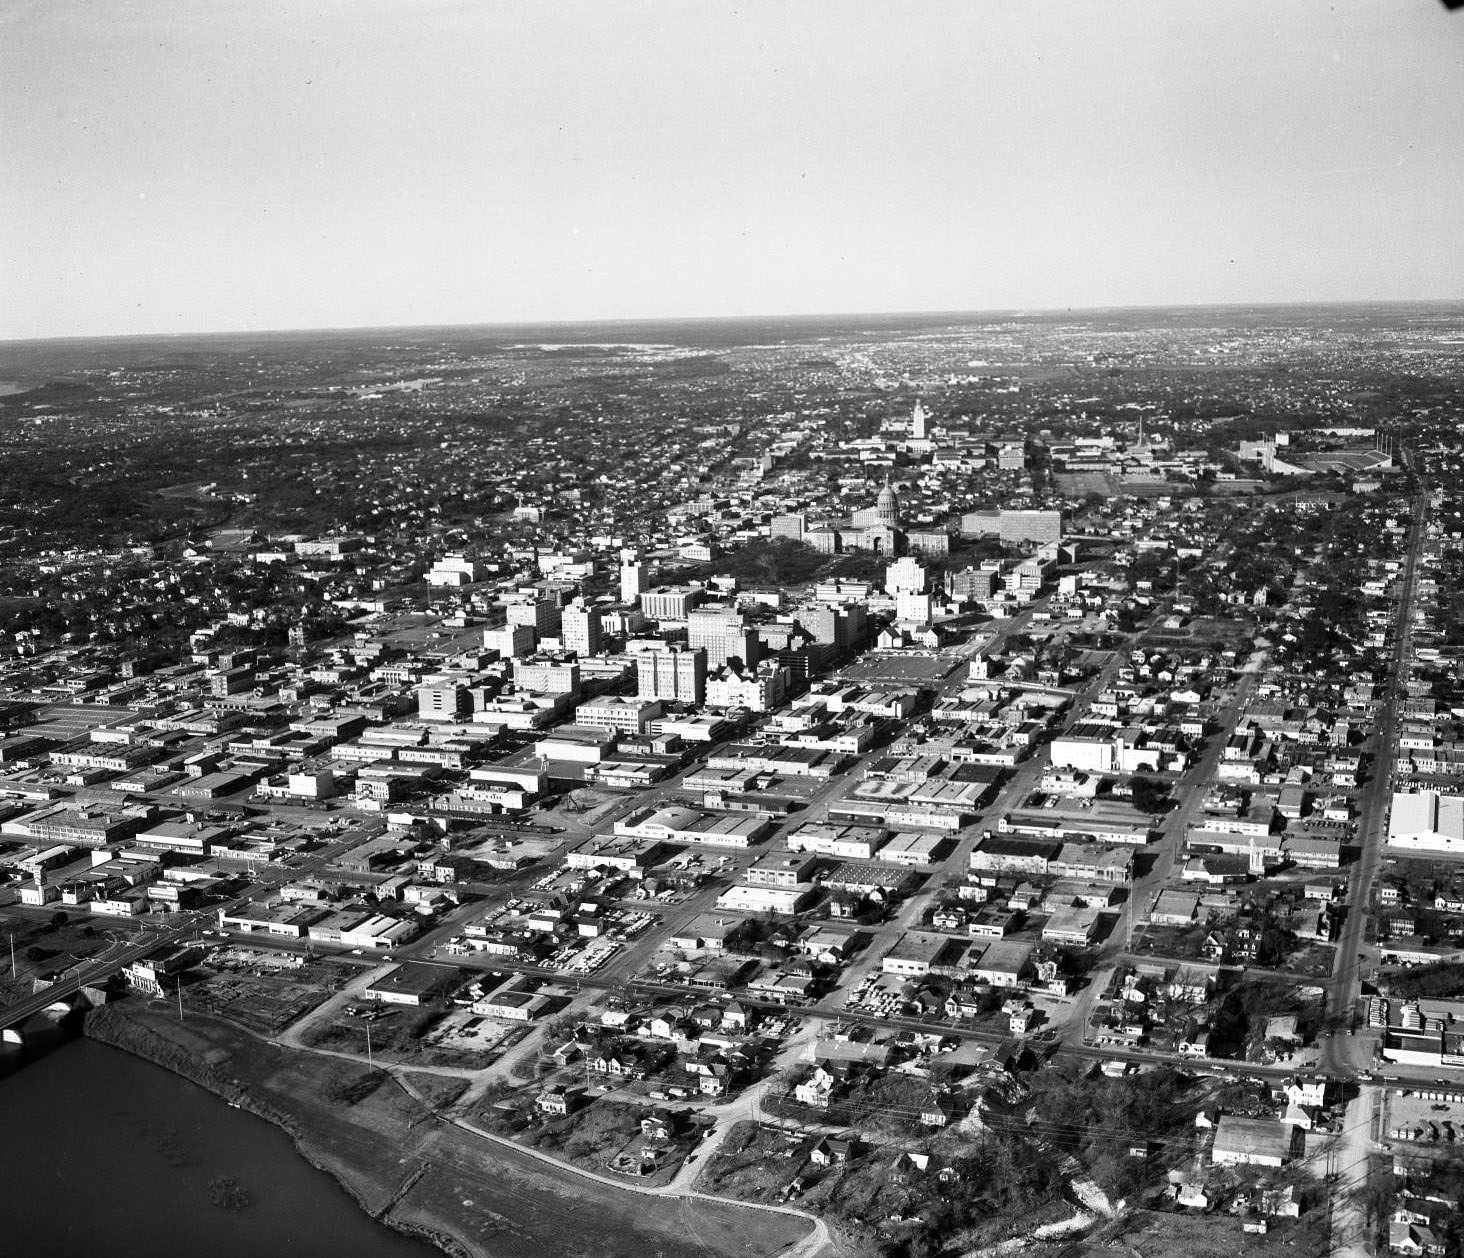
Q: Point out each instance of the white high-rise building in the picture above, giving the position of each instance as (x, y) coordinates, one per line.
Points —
(579, 629)
(723, 634)
(635, 577)
(905, 576)
(917, 421)
(913, 608)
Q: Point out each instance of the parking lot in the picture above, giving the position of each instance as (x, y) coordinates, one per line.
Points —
(878, 994)
(1426, 1115)
(572, 959)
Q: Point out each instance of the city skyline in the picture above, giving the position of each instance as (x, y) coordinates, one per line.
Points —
(506, 164)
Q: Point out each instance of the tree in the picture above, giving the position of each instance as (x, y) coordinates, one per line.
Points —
(558, 1028)
(1149, 796)
(58, 920)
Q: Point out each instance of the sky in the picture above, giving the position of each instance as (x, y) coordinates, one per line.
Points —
(217, 165)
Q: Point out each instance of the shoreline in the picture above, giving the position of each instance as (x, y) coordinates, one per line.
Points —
(408, 1167)
(118, 1028)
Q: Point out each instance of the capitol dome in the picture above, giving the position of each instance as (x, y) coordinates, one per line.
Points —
(888, 506)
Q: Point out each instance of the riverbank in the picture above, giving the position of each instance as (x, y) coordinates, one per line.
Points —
(292, 1096)
(112, 1154)
(425, 1177)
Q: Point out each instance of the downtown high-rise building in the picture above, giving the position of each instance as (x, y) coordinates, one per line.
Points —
(723, 634)
(635, 577)
(917, 422)
(580, 629)
(675, 673)
(539, 614)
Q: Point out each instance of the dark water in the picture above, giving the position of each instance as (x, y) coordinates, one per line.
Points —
(105, 1156)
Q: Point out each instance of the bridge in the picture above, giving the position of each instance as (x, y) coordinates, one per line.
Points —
(90, 972)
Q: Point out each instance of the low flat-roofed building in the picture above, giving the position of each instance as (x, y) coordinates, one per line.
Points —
(577, 744)
(177, 897)
(999, 855)
(789, 761)
(1175, 908)
(702, 728)
(512, 1004)
(105, 756)
(376, 854)
(1427, 821)
(1002, 964)
(871, 877)
(733, 832)
(43, 858)
(708, 931)
(1253, 1142)
(18, 747)
(1312, 851)
(146, 781)
(215, 785)
(1095, 861)
(185, 837)
(781, 869)
(1232, 843)
(376, 932)
(786, 989)
(763, 899)
(523, 945)
(1215, 870)
(127, 863)
(913, 849)
(287, 921)
(689, 825)
(657, 823)
(917, 953)
(838, 1052)
(85, 825)
(620, 713)
(737, 780)
(129, 903)
(631, 772)
(414, 983)
(850, 842)
(629, 855)
(1072, 924)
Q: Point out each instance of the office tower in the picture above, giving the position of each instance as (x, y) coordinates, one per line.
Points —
(723, 635)
(580, 629)
(674, 673)
(905, 576)
(635, 577)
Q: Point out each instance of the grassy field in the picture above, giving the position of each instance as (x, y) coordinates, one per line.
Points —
(39, 947)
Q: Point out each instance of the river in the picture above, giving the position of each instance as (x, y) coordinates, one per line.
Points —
(104, 1154)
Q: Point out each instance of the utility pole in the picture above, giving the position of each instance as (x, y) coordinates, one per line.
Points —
(13, 972)
(370, 1061)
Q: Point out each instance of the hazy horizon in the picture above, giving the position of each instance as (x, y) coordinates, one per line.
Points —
(794, 317)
